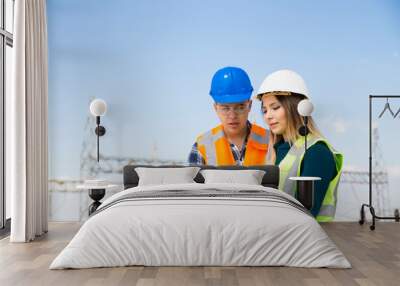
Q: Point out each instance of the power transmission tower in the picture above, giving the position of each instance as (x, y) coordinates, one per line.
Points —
(381, 191)
(89, 167)
(380, 181)
(88, 149)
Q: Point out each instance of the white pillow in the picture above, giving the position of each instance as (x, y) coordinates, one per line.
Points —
(248, 177)
(165, 176)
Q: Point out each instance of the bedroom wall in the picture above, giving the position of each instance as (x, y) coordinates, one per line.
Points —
(152, 62)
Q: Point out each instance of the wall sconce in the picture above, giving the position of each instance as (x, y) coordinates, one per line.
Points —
(305, 185)
(98, 107)
(305, 108)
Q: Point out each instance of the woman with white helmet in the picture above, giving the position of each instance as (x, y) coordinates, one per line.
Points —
(280, 94)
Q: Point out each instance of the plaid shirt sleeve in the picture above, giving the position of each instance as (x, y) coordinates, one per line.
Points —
(195, 157)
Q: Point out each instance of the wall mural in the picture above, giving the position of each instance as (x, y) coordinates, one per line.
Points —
(152, 63)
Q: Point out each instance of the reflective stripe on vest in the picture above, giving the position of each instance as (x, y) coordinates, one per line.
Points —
(216, 150)
(290, 167)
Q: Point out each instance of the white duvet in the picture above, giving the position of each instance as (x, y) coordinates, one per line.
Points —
(200, 231)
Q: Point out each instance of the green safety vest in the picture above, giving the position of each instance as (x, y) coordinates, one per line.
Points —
(290, 167)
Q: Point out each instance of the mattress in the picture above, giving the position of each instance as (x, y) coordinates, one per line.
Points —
(201, 225)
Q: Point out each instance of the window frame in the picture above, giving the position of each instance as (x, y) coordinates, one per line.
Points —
(6, 39)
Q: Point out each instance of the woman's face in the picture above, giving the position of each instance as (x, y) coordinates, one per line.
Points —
(274, 114)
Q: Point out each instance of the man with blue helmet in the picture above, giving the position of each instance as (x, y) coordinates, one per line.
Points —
(235, 141)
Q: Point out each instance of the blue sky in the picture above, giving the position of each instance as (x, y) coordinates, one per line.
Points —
(152, 61)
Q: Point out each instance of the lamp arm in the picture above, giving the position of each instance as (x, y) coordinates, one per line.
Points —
(305, 136)
(98, 124)
(100, 131)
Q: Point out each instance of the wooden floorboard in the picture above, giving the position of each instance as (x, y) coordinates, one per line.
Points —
(374, 255)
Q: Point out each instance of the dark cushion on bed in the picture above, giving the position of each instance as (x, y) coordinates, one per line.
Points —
(270, 179)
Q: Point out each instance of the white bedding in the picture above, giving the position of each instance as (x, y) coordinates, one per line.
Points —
(200, 231)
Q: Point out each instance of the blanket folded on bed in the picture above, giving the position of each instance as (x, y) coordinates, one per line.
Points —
(206, 194)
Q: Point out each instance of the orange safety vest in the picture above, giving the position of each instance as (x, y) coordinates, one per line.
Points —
(216, 151)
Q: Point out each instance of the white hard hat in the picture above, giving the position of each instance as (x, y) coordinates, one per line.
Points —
(283, 81)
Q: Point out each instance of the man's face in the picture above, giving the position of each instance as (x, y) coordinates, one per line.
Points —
(233, 116)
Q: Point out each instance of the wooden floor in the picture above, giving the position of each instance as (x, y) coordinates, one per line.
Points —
(375, 256)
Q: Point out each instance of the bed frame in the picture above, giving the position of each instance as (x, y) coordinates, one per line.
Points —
(270, 179)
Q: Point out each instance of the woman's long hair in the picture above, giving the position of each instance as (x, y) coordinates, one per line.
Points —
(294, 122)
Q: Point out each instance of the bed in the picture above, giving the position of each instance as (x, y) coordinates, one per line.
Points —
(201, 224)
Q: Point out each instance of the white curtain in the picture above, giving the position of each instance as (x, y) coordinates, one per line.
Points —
(27, 123)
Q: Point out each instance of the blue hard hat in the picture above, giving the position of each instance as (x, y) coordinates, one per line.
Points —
(230, 85)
